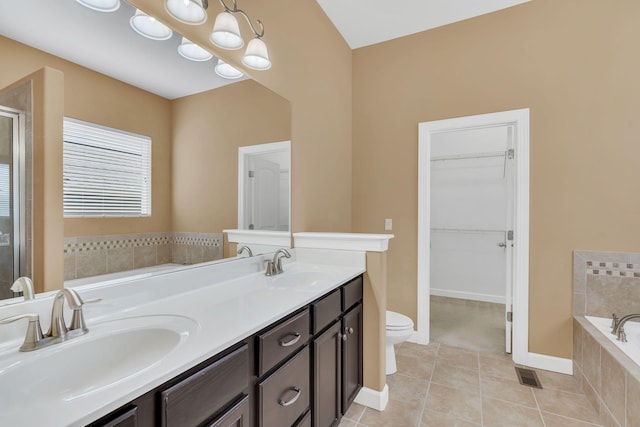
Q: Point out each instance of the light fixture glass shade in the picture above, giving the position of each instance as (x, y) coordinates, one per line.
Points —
(191, 51)
(190, 12)
(256, 56)
(101, 5)
(226, 71)
(149, 27)
(226, 32)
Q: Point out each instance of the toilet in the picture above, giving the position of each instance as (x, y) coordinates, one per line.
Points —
(399, 328)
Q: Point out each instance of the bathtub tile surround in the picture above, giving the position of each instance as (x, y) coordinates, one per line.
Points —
(610, 379)
(606, 282)
(489, 395)
(94, 255)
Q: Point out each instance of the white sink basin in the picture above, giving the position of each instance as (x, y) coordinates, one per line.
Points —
(111, 353)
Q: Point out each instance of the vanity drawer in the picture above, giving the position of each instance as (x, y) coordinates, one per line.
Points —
(351, 293)
(199, 396)
(326, 311)
(284, 395)
(282, 340)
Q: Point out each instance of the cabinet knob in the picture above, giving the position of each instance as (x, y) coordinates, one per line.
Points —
(348, 331)
(343, 337)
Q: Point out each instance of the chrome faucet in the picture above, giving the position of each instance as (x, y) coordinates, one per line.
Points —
(58, 331)
(618, 325)
(275, 266)
(24, 285)
(246, 249)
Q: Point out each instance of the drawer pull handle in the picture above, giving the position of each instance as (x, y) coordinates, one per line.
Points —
(283, 402)
(295, 339)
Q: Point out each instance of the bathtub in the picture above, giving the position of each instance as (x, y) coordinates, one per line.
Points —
(632, 347)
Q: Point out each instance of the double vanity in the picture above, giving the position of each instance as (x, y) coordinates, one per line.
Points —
(219, 344)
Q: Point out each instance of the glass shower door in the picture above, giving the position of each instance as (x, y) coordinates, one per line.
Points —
(9, 200)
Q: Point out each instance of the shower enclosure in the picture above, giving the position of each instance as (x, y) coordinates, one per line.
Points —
(12, 199)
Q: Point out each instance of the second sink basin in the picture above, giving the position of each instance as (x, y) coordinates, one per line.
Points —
(112, 352)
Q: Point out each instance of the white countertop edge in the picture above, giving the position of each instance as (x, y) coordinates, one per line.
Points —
(343, 241)
(259, 237)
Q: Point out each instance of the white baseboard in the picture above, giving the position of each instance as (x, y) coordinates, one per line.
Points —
(467, 295)
(415, 338)
(550, 363)
(372, 398)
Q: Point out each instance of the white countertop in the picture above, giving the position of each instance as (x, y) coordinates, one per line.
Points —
(226, 309)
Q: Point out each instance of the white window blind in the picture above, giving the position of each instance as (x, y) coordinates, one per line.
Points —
(107, 172)
(5, 190)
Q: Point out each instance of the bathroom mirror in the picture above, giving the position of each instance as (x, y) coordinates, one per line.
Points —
(196, 122)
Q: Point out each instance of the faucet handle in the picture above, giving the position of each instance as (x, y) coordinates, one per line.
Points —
(77, 318)
(614, 322)
(271, 269)
(34, 332)
(622, 335)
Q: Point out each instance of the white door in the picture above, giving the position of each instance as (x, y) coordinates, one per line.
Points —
(264, 189)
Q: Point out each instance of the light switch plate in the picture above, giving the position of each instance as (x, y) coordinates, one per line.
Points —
(388, 224)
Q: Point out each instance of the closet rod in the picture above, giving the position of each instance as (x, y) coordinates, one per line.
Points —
(469, 156)
(465, 230)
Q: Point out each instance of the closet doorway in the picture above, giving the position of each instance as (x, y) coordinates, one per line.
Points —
(473, 232)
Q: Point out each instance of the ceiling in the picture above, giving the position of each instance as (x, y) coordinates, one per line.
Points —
(366, 22)
(105, 42)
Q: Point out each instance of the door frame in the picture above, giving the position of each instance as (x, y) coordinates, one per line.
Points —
(19, 191)
(243, 153)
(520, 120)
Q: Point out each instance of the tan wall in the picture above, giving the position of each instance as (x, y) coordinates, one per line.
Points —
(312, 69)
(575, 63)
(96, 98)
(208, 128)
(46, 89)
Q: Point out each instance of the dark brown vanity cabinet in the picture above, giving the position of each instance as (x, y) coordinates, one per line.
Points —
(337, 354)
(302, 371)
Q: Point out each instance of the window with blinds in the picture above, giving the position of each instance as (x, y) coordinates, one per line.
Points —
(107, 172)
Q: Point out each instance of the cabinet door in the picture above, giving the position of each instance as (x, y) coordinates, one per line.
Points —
(326, 377)
(237, 416)
(351, 356)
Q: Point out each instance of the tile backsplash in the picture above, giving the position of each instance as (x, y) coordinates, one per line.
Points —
(86, 256)
(606, 283)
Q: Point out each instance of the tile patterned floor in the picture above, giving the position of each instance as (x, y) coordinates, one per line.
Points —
(444, 386)
(470, 324)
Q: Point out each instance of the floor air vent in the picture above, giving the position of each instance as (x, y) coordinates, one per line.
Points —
(528, 377)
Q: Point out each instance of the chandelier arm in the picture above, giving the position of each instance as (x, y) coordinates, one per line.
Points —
(258, 34)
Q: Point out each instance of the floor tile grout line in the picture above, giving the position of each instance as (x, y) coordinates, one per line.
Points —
(539, 408)
(426, 396)
(571, 419)
(480, 387)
